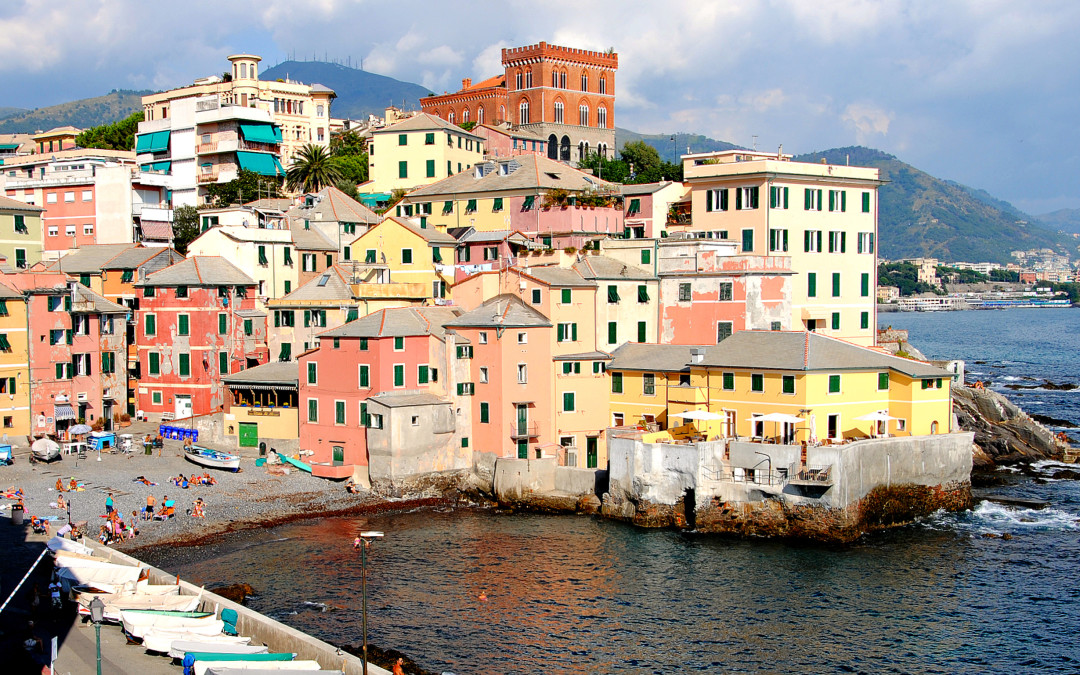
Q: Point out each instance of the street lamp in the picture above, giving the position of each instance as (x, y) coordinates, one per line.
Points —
(362, 542)
(97, 613)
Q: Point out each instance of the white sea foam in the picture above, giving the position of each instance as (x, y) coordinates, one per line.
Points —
(993, 517)
(1049, 466)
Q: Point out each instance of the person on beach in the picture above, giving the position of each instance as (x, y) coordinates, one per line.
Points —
(131, 529)
(60, 503)
(72, 485)
(149, 507)
(109, 504)
(399, 668)
(197, 509)
(59, 485)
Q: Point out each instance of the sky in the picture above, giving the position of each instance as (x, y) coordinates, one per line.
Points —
(983, 92)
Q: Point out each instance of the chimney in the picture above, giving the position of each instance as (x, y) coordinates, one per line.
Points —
(697, 354)
(466, 83)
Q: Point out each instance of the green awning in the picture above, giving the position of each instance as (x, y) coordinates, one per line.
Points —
(260, 133)
(260, 163)
(157, 167)
(157, 141)
(9, 146)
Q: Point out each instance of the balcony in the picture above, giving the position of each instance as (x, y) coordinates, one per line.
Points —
(391, 291)
(686, 394)
(520, 431)
(811, 476)
(209, 177)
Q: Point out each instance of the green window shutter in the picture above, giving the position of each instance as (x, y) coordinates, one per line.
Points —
(485, 414)
(150, 325)
(11, 385)
(429, 167)
(403, 139)
(568, 401)
(843, 201)
(757, 382)
(67, 303)
(864, 320)
(573, 332)
(612, 294)
(864, 285)
(222, 324)
(339, 412)
(223, 363)
(642, 293)
(832, 200)
(866, 202)
(365, 377)
(806, 199)
(399, 343)
(566, 296)
(561, 329)
(708, 200)
(843, 242)
(248, 327)
(811, 284)
(748, 240)
(616, 383)
(277, 318)
(403, 169)
(363, 344)
(421, 374)
(406, 256)
(365, 419)
(612, 332)
(577, 367)
(154, 363)
(567, 367)
(635, 207)
(287, 256)
(307, 318)
(834, 384)
(60, 372)
(641, 331)
(646, 256)
(262, 256)
(3, 308)
(738, 199)
(352, 314)
(836, 320)
(723, 206)
(429, 139)
(806, 241)
(883, 381)
(470, 207)
(313, 410)
(312, 372)
(68, 336)
(836, 284)
(184, 327)
(185, 365)
(369, 256)
(729, 381)
(399, 376)
(788, 384)
(497, 204)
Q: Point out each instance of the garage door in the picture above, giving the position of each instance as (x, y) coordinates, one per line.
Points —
(249, 435)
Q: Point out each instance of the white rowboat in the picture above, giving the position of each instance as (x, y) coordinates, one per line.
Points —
(138, 621)
(160, 640)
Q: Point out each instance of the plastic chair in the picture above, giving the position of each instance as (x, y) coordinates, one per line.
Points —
(229, 617)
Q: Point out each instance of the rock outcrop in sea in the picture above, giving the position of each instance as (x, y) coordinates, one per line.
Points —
(1004, 434)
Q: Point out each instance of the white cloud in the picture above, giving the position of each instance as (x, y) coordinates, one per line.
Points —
(868, 121)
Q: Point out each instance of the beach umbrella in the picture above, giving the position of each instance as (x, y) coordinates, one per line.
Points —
(80, 429)
(778, 418)
(697, 415)
(877, 417)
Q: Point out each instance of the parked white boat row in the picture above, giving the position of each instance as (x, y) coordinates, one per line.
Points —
(161, 640)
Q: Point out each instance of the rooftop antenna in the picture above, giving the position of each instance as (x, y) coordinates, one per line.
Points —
(755, 142)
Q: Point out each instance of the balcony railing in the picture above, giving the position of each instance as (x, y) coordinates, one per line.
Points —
(811, 475)
(523, 430)
(210, 177)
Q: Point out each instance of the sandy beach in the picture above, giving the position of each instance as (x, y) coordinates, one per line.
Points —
(255, 496)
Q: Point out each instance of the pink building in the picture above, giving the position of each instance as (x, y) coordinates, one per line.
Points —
(391, 351)
(197, 321)
(480, 251)
(502, 141)
(77, 353)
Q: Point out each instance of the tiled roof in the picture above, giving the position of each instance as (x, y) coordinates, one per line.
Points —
(100, 304)
(252, 234)
(89, 259)
(7, 293)
(583, 356)
(651, 357)
(408, 400)
(397, 322)
(505, 311)
(310, 239)
(278, 372)
(493, 81)
(424, 122)
(644, 188)
(530, 172)
(336, 289)
(9, 204)
(609, 269)
(335, 206)
(203, 270)
(553, 275)
(429, 234)
(277, 203)
(806, 351)
(137, 256)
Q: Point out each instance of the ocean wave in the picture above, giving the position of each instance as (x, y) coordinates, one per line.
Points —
(993, 517)
(1049, 466)
(321, 606)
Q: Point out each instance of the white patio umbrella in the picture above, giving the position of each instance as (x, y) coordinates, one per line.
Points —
(813, 428)
(877, 417)
(778, 418)
(697, 415)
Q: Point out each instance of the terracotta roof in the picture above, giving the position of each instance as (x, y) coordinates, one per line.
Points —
(9, 204)
(493, 81)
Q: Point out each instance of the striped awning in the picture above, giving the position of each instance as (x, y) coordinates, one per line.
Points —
(63, 412)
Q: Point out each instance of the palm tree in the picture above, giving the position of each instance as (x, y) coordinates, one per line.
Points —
(312, 169)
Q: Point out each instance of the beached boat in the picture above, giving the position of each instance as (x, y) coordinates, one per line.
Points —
(180, 648)
(213, 459)
(138, 621)
(116, 602)
(253, 667)
(162, 640)
(94, 573)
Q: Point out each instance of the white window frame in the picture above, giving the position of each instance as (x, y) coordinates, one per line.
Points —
(50, 198)
(69, 197)
(523, 373)
(523, 338)
(88, 195)
(54, 230)
(69, 231)
(482, 337)
(483, 375)
(88, 230)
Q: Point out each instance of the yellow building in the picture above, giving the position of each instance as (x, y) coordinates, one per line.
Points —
(829, 389)
(261, 408)
(409, 252)
(417, 151)
(20, 232)
(824, 217)
(14, 364)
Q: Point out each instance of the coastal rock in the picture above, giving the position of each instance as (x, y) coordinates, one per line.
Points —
(1004, 434)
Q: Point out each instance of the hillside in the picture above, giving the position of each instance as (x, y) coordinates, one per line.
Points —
(10, 112)
(84, 113)
(359, 92)
(666, 147)
(921, 215)
(1067, 220)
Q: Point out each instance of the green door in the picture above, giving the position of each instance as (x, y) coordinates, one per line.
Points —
(522, 420)
(249, 435)
(523, 449)
(591, 454)
(339, 455)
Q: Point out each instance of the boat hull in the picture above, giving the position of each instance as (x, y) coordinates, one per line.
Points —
(212, 459)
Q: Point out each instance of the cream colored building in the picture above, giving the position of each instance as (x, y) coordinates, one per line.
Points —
(419, 151)
(267, 256)
(302, 111)
(823, 217)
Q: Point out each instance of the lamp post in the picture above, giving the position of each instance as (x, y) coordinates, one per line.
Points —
(362, 542)
(97, 613)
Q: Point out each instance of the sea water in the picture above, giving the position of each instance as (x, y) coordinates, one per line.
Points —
(576, 594)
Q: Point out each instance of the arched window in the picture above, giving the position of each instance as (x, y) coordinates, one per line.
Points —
(480, 115)
(528, 79)
(558, 112)
(564, 149)
(584, 80)
(562, 79)
(603, 84)
(523, 113)
(586, 148)
(502, 113)
(601, 117)
(581, 150)
(517, 79)
(465, 115)
(450, 118)
(553, 147)
(583, 115)
(555, 79)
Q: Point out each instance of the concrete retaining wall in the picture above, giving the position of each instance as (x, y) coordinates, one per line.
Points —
(515, 479)
(261, 629)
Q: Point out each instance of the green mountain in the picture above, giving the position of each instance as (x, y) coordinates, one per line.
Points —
(359, 93)
(10, 112)
(84, 113)
(924, 216)
(1065, 220)
(665, 143)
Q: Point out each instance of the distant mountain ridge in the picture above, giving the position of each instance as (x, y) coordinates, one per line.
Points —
(84, 113)
(359, 93)
(924, 216)
(665, 144)
(1067, 220)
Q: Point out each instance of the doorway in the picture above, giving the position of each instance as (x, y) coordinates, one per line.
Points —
(834, 426)
(249, 435)
(592, 454)
(184, 406)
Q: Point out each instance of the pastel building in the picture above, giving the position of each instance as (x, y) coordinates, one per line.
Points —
(417, 151)
(14, 363)
(561, 94)
(647, 208)
(409, 252)
(626, 302)
(823, 217)
(56, 139)
(506, 141)
(267, 256)
(261, 411)
(197, 322)
(335, 215)
(20, 232)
